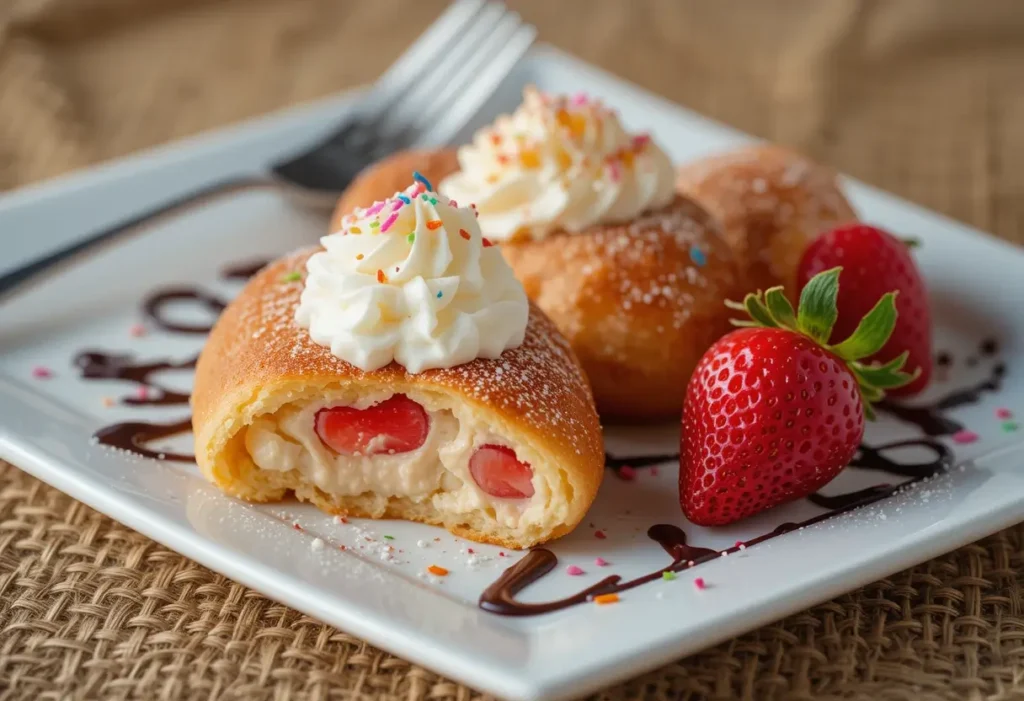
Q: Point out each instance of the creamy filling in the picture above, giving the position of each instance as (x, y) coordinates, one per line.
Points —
(437, 472)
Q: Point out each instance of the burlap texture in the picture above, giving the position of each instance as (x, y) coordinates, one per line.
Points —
(921, 97)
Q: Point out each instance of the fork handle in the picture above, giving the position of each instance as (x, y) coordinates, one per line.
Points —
(25, 273)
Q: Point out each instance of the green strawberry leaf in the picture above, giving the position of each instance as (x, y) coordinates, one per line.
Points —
(872, 332)
(759, 313)
(780, 308)
(887, 376)
(871, 394)
(817, 312)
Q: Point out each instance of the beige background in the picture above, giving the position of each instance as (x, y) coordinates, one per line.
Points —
(921, 97)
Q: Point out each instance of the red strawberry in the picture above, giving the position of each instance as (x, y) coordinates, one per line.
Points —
(772, 412)
(396, 425)
(875, 262)
(498, 472)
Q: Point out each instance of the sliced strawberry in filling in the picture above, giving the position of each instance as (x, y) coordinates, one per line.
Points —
(497, 471)
(396, 425)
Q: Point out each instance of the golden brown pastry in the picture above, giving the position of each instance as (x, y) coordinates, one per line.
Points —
(383, 179)
(467, 409)
(586, 213)
(637, 308)
(771, 202)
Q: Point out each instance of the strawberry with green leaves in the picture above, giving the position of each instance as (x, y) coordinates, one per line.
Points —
(773, 412)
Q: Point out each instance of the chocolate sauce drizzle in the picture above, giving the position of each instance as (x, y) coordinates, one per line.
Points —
(95, 365)
(242, 271)
(155, 307)
(134, 436)
(930, 419)
(500, 597)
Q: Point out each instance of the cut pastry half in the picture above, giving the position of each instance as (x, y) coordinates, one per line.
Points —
(504, 450)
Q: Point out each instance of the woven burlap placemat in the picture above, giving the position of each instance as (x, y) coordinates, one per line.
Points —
(917, 96)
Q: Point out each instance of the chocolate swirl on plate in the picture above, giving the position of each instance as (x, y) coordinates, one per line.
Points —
(135, 436)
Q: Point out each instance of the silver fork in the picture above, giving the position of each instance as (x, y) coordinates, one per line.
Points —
(425, 97)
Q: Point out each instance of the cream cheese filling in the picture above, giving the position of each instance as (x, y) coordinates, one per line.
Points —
(436, 472)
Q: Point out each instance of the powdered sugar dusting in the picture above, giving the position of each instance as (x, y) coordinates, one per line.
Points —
(762, 193)
(640, 270)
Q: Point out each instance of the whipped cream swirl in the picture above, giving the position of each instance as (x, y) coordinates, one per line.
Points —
(412, 280)
(559, 163)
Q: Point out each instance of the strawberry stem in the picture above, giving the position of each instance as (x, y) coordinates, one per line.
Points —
(815, 317)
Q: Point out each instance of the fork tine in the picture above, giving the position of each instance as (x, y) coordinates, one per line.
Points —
(426, 89)
(475, 82)
(419, 57)
(469, 102)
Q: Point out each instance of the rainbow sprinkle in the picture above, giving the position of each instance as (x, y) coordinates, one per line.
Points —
(405, 198)
(41, 372)
(698, 257)
(411, 237)
(606, 599)
(434, 224)
(600, 562)
(375, 225)
(1004, 413)
(355, 230)
(421, 180)
(464, 234)
(359, 256)
(600, 535)
(965, 437)
(573, 571)
(381, 277)
(437, 571)
(292, 277)
(699, 584)
(1010, 426)
(626, 473)
(137, 330)
(375, 208)
(668, 575)
(440, 294)
(388, 222)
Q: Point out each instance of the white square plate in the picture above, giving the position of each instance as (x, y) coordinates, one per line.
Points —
(382, 595)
